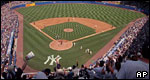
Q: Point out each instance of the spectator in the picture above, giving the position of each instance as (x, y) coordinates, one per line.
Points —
(91, 73)
(98, 70)
(83, 74)
(117, 66)
(4, 75)
(75, 70)
(70, 74)
(130, 67)
(11, 72)
(24, 77)
(108, 73)
(59, 72)
(19, 73)
(43, 74)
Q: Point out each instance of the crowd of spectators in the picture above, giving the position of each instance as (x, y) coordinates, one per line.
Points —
(15, 3)
(141, 41)
(133, 44)
(9, 24)
(142, 6)
(111, 2)
(130, 36)
(121, 69)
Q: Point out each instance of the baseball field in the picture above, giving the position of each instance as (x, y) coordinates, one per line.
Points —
(40, 29)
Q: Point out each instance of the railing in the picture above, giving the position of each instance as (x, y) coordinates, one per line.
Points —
(10, 47)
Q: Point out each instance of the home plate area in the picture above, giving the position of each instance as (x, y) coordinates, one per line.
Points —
(60, 45)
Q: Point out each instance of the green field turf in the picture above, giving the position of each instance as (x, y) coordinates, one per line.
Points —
(39, 43)
(79, 30)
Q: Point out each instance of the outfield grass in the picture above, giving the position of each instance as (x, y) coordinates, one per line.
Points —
(39, 43)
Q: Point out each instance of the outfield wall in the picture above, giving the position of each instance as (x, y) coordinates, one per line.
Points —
(90, 2)
(18, 6)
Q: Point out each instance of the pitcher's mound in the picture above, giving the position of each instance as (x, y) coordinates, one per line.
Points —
(60, 45)
(68, 30)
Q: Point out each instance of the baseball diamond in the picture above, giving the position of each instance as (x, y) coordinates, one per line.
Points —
(91, 26)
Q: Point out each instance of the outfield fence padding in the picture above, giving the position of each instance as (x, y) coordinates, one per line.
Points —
(89, 2)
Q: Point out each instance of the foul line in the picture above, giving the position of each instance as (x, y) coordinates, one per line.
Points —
(42, 32)
(92, 34)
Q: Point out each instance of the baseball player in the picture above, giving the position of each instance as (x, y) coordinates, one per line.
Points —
(74, 44)
(90, 52)
(87, 50)
(81, 47)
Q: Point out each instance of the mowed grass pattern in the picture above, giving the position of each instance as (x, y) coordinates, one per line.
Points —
(79, 30)
(39, 43)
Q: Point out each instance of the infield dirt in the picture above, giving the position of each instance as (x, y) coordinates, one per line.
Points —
(98, 26)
